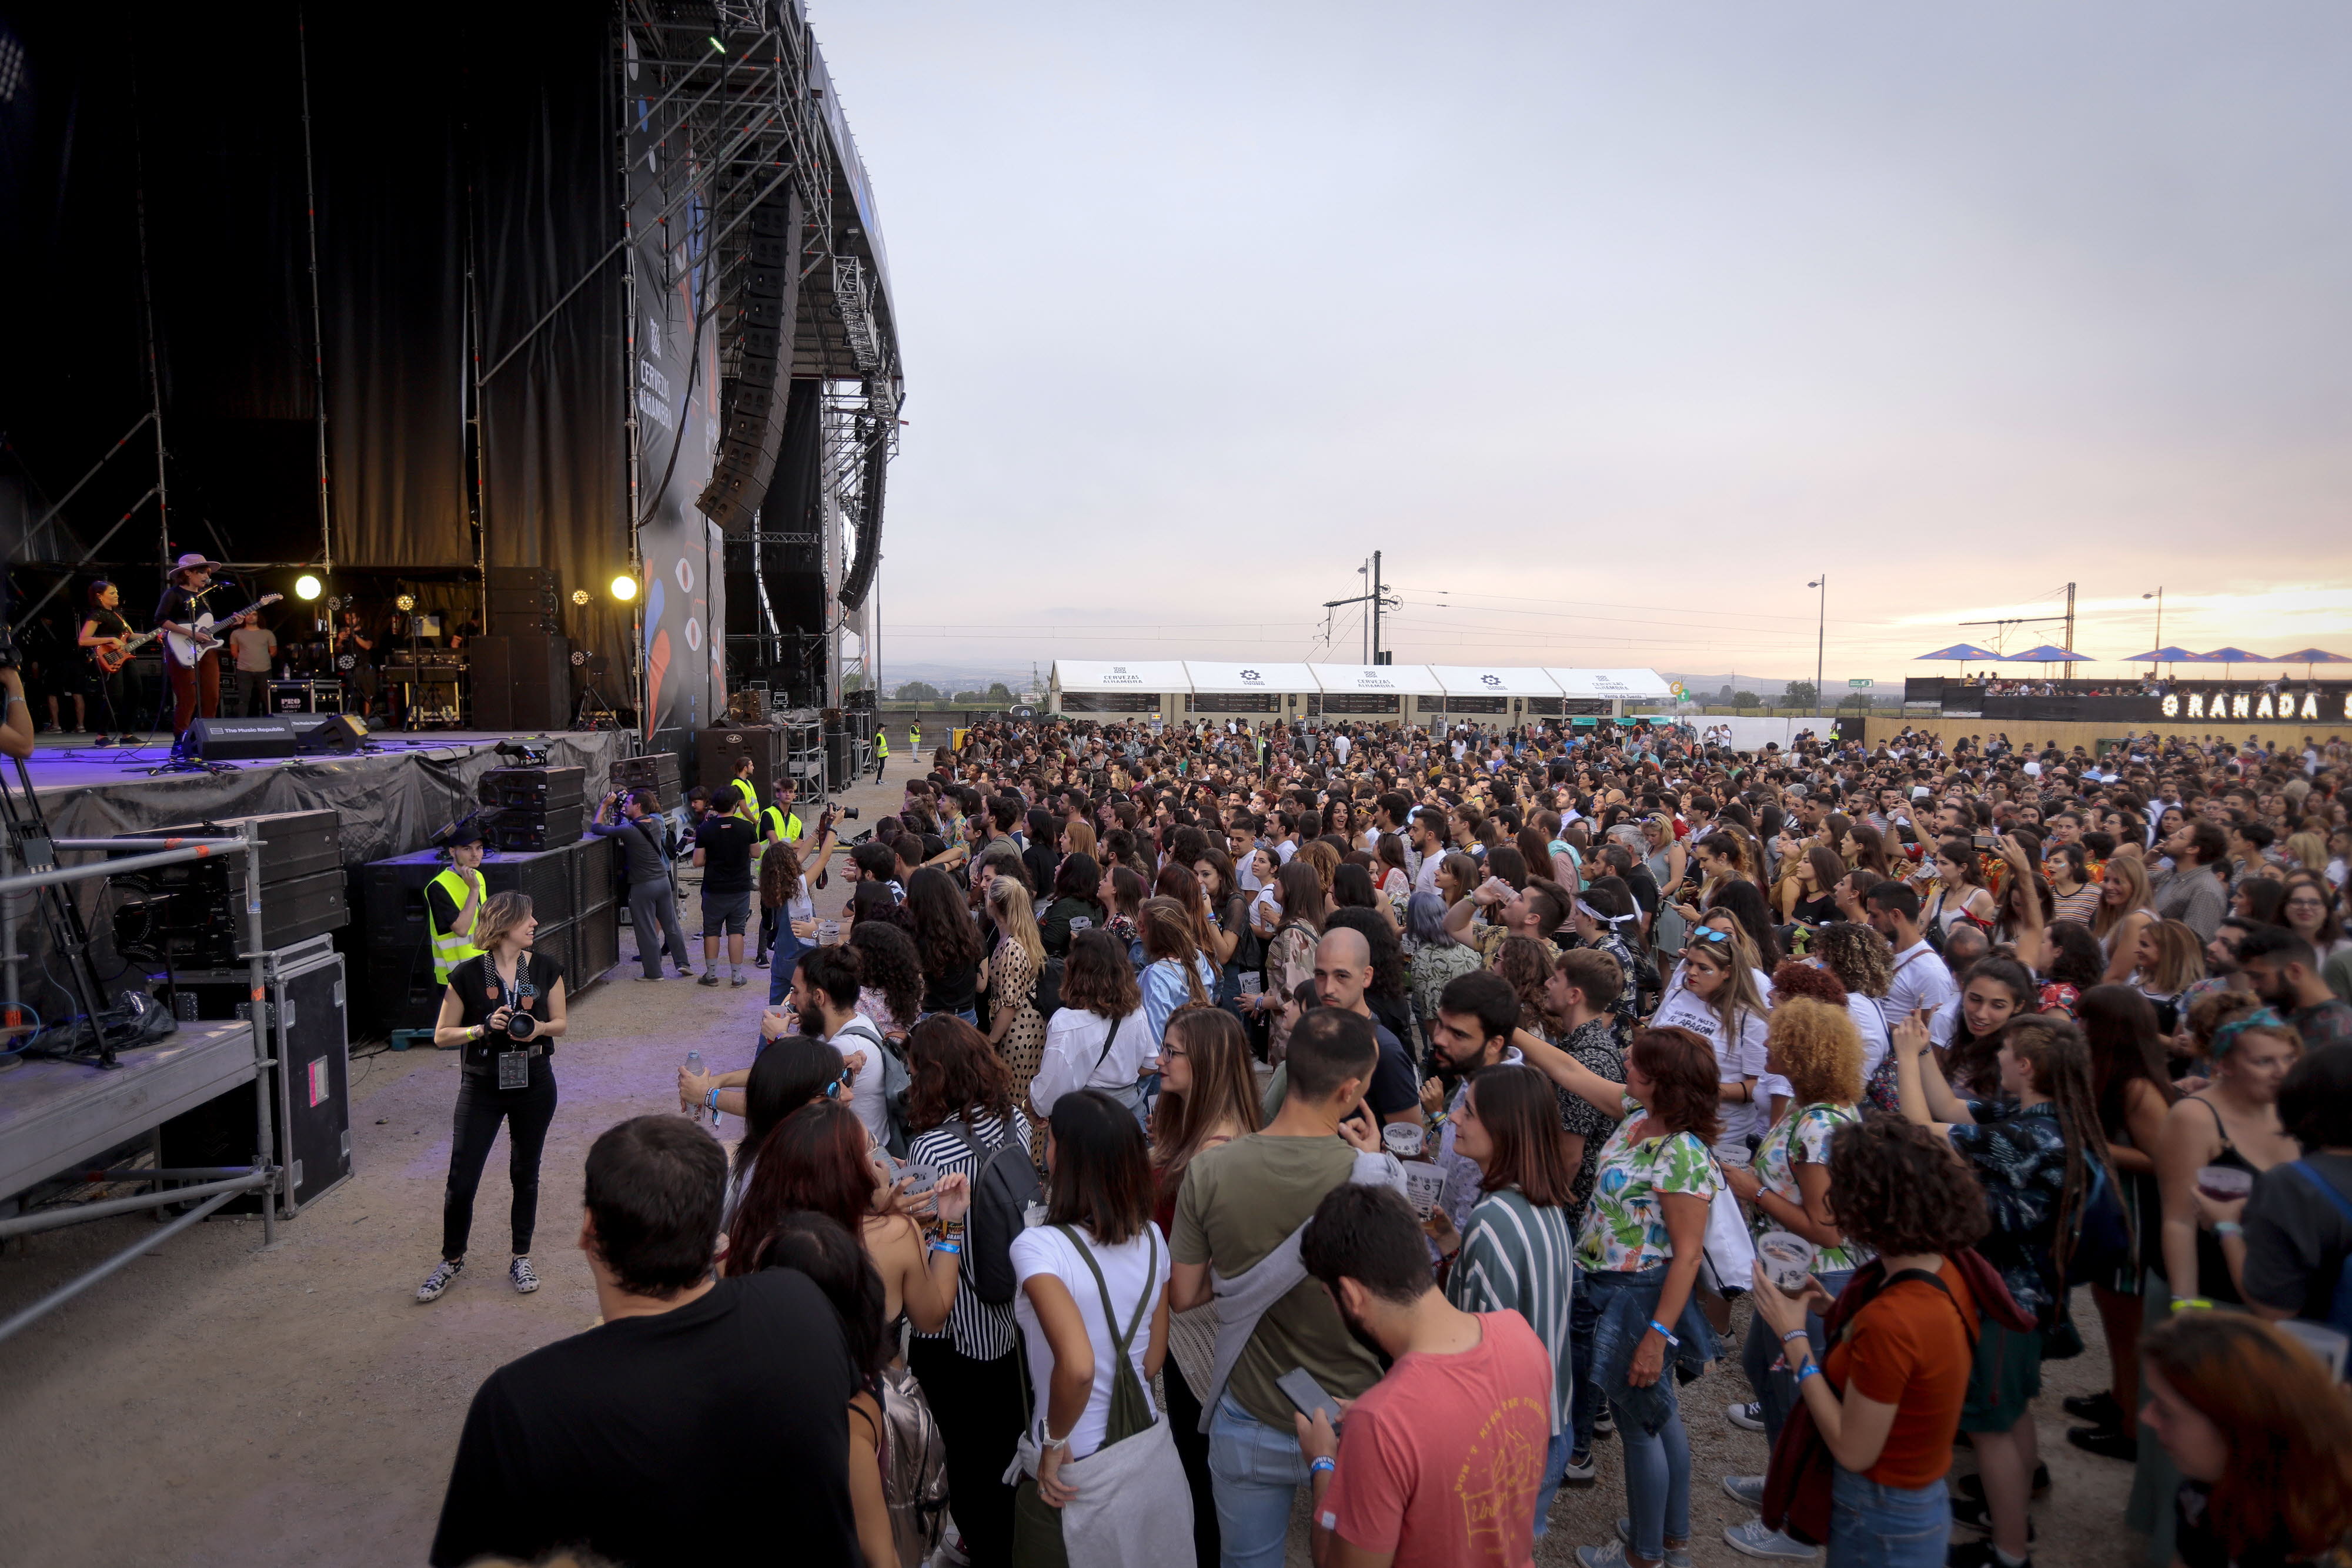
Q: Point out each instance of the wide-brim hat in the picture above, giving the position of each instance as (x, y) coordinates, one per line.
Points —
(191, 561)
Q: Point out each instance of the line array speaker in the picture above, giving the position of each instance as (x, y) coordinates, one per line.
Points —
(752, 402)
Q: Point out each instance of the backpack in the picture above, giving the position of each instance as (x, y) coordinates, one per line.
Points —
(895, 1079)
(2339, 1309)
(1003, 1190)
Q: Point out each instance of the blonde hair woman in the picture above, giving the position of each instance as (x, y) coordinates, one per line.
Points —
(504, 1011)
(2125, 907)
(1016, 1028)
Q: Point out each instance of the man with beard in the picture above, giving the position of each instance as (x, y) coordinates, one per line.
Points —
(1239, 1205)
(2283, 971)
(1475, 1015)
(824, 999)
(1435, 1466)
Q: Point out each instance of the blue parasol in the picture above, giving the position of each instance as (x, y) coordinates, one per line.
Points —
(1962, 650)
(2049, 653)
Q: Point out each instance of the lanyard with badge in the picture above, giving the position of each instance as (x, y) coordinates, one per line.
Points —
(513, 1066)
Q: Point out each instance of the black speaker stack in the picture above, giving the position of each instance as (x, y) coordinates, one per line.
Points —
(536, 808)
(572, 897)
(192, 913)
(753, 400)
(655, 770)
(719, 752)
(524, 600)
(522, 680)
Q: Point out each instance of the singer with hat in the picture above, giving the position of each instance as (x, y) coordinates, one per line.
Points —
(195, 684)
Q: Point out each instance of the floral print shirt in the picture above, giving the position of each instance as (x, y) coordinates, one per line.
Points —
(1624, 1226)
(1803, 1134)
(2020, 1156)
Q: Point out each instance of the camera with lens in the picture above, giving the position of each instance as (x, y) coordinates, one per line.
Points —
(849, 811)
(521, 1025)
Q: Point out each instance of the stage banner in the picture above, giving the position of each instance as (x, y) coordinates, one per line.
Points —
(674, 395)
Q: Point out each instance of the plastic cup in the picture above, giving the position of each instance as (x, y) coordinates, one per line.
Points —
(1402, 1139)
(1788, 1260)
(2224, 1184)
(1425, 1189)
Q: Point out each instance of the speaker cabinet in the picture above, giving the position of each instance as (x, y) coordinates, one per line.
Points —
(523, 682)
(240, 739)
(339, 734)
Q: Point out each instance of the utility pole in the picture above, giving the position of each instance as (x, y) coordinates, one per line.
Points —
(2069, 643)
(1376, 601)
(1820, 635)
(2159, 597)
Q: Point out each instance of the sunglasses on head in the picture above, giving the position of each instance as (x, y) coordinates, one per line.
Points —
(1710, 934)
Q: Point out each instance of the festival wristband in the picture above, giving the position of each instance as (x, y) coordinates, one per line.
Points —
(1666, 1334)
(1795, 1333)
(1810, 1369)
(2228, 1228)
(1322, 1467)
(954, 1248)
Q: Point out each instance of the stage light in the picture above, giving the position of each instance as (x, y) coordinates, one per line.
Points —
(624, 588)
(580, 597)
(305, 587)
(404, 603)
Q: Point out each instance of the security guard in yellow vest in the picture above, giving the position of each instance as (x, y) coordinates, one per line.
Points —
(452, 901)
(915, 738)
(881, 752)
(779, 822)
(745, 767)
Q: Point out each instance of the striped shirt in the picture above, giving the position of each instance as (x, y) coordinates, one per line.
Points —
(977, 1329)
(1518, 1257)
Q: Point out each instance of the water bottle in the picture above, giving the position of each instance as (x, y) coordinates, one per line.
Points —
(693, 1065)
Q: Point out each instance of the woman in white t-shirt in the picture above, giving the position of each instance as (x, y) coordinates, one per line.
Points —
(1100, 1038)
(1093, 1311)
(1718, 1000)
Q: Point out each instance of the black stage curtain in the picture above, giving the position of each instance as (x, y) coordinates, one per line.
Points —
(429, 132)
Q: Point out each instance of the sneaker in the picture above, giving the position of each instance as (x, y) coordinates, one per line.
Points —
(439, 1280)
(1747, 1417)
(520, 1272)
(2099, 1409)
(1605, 1421)
(738, 979)
(101, 740)
(2108, 1442)
(1748, 1491)
(1677, 1556)
(1579, 1471)
(761, 962)
(1980, 1554)
(709, 977)
(1974, 1514)
(685, 974)
(1753, 1539)
(644, 976)
(1610, 1556)
(1973, 1486)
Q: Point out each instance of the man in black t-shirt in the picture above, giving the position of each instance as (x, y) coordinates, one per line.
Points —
(629, 1441)
(723, 844)
(1343, 967)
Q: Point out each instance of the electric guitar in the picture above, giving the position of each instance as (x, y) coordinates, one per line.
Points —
(186, 650)
(113, 659)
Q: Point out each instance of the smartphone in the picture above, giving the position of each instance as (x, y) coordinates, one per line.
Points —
(1308, 1395)
(1987, 841)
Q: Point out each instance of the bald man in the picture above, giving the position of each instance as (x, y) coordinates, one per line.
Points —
(1343, 967)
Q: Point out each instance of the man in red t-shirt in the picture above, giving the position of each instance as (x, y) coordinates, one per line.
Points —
(1444, 1458)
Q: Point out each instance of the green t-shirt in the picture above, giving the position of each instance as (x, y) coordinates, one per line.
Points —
(1238, 1203)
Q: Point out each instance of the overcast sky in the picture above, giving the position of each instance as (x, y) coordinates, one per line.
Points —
(1616, 323)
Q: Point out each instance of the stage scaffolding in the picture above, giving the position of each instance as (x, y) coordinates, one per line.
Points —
(738, 93)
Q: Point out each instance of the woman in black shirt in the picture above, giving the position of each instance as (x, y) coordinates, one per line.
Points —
(104, 628)
(504, 1078)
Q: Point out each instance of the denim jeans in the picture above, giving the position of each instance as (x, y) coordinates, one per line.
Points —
(1555, 1466)
(1256, 1471)
(1777, 1391)
(1582, 1313)
(782, 962)
(1873, 1526)
(1657, 1463)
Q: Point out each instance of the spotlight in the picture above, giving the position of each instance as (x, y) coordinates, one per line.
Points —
(580, 597)
(624, 588)
(404, 603)
(305, 587)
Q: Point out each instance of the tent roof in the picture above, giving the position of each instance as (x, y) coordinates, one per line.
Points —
(1137, 675)
(1266, 677)
(2236, 656)
(2048, 653)
(1645, 685)
(1405, 680)
(2313, 657)
(1493, 681)
(2168, 654)
(1961, 651)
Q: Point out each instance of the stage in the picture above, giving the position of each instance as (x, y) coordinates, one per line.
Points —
(391, 796)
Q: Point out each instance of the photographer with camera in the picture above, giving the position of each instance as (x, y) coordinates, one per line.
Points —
(504, 1010)
(643, 834)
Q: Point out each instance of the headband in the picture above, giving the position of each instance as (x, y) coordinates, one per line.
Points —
(1612, 921)
(2260, 1019)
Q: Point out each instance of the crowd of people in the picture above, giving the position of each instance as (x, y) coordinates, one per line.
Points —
(1161, 1131)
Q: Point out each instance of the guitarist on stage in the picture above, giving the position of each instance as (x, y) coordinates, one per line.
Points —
(195, 686)
(107, 635)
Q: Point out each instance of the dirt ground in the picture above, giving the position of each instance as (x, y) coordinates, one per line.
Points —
(216, 1404)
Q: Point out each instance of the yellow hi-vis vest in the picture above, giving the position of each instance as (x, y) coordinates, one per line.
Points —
(751, 793)
(775, 822)
(451, 948)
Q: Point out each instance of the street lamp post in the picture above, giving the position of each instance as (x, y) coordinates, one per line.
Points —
(1821, 635)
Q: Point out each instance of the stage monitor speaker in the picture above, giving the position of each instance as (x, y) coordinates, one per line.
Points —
(336, 733)
(753, 400)
(241, 739)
